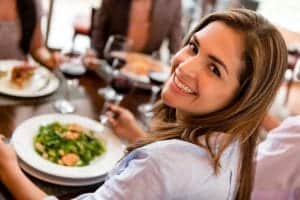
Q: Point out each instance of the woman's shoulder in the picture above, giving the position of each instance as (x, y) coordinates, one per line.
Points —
(172, 146)
(169, 153)
(176, 146)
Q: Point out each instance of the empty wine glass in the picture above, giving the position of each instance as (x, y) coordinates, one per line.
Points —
(115, 45)
(122, 86)
(63, 105)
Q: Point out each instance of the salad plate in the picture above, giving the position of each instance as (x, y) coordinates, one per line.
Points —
(23, 140)
(58, 180)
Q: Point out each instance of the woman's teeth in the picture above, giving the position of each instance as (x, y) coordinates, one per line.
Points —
(182, 86)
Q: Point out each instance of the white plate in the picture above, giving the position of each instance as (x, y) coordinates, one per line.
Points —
(42, 83)
(138, 65)
(22, 140)
(58, 180)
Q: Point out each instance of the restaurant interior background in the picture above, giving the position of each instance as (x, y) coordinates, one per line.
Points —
(284, 14)
(82, 91)
(65, 12)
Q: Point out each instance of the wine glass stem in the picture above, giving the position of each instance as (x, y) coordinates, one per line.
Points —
(102, 117)
(118, 99)
(154, 92)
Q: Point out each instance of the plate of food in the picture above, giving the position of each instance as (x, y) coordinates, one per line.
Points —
(59, 180)
(138, 66)
(21, 79)
(67, 146)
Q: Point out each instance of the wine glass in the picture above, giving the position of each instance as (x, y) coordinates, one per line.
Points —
(122, 86)
(115, 45)
(63, 105)
(156, 79)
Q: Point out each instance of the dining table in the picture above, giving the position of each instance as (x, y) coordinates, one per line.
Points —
(87, 102)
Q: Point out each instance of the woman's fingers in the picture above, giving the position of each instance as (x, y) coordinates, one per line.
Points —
(4, 139)
(116, 109)
(113, 123)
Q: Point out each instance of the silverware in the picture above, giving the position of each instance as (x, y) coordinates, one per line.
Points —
(45, 84)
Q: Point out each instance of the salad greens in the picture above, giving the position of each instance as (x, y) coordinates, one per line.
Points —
(68, 144)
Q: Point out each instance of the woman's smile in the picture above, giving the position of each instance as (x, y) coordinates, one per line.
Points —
(181, 87)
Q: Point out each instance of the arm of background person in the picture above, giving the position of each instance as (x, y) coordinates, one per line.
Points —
(175, 32)
(100, 24)
(40, 53)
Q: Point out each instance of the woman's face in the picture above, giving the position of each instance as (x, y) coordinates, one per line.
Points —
(206, 71)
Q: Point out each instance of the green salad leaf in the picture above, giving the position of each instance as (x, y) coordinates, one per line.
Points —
(68, 144)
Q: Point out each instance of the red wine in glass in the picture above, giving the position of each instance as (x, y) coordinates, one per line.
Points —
(157, 78)
(122, 84)
(118, 63)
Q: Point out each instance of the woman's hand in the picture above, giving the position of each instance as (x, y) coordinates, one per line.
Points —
(124, 123)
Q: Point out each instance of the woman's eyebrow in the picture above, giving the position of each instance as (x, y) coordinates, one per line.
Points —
(212, 57)
(194, 39)
(219, 61)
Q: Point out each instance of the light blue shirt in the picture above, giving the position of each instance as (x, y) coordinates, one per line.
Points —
(171, 169)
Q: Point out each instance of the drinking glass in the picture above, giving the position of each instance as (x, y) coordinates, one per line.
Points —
(115, 45)
(156, 79)
(63, 105)
(122, 86)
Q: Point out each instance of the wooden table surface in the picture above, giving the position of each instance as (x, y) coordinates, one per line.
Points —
(90, 106)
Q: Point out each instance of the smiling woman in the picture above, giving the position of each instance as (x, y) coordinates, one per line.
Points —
(205, 126)
(201, 76)
(222, 83)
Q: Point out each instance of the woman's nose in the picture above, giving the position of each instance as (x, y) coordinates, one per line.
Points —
(188, 68)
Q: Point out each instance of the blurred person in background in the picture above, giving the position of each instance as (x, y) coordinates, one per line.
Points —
(277, 174)
(20, 33)
(207, 6)
(145, 22)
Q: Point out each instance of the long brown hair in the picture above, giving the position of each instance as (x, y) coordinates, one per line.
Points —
(265, 58)
(28, 17)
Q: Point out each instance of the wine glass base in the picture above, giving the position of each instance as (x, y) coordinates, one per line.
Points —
(103, 119)
(107, 92)
(63, 106)
(145, 108)
(146, 113)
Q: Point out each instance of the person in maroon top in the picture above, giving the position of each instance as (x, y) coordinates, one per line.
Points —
(146, 22)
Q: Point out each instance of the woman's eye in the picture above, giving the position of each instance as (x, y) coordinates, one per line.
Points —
(215, 70)
(193, 47)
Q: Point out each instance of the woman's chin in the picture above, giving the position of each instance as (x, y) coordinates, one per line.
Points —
(166, 100)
